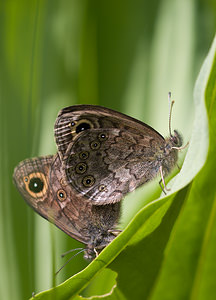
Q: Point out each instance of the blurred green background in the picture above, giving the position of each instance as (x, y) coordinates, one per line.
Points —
(125, 55)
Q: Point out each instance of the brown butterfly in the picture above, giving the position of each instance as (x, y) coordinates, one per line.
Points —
(106, 154)
(40, 182)
(102, 155)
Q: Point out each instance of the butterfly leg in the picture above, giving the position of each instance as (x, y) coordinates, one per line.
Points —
(163, 181)
(182, 147)
(96, 253)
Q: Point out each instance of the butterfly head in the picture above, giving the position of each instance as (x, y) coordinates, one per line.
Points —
(97, 245)
(176, 139)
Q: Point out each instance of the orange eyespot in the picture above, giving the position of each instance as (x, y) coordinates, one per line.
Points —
(36, 184)
(80, 125)
(61, 194)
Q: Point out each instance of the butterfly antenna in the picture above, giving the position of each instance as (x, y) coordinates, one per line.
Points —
(171, 102)
(71, 250)
(82, 250)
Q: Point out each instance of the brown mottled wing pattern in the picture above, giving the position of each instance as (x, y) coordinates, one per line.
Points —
(105, 154)
(97, 117)
(35, 179)
(85, 218)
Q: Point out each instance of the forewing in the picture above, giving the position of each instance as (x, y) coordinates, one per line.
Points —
(73, 120)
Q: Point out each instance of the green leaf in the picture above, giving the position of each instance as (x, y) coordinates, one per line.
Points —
(166, 250)
(189, 265)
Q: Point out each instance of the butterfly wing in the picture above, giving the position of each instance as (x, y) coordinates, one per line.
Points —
(34, 179)
(73, 120)
(105, 154)
(89, 221)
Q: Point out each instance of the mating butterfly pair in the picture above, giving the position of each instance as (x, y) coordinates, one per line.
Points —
(102, 155)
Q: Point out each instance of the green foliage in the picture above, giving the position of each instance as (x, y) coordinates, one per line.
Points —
(166, 252)
(125, 55)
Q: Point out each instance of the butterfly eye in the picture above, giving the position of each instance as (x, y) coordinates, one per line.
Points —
(36, 184)
(88, 181)
(61, 195)
(175, 140)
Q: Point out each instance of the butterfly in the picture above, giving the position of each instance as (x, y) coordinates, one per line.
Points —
(40, 182)
(102, 155)
(106, 154)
